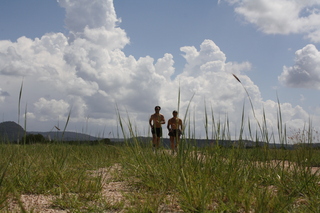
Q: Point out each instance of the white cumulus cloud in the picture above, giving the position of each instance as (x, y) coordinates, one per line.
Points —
(51, 108)
(282, 16)
(305, 73)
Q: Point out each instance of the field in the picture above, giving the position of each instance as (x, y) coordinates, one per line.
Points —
(132, 178)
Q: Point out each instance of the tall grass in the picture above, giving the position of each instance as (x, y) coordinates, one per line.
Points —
(225, 179)
(54, 169)
(211, 179)
(67, 122)
(221, 179)
(233, 179)
(19, 106)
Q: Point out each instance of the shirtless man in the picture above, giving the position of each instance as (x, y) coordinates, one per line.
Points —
(175, 130)
(155, 122)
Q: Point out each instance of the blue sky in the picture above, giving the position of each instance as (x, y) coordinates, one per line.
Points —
(164, 27)
(93, 55)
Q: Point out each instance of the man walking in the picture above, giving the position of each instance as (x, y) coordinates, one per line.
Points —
(175, 130)
(155, 122)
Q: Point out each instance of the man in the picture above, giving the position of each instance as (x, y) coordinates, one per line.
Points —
(175, 130)
(155, 122)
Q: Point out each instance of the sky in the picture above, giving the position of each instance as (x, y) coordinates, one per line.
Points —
(100, 61)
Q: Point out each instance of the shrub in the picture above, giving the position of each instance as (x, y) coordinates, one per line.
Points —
(34, 138)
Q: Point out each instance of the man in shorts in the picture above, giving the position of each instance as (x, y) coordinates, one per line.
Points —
(175, 128)
(155, 122)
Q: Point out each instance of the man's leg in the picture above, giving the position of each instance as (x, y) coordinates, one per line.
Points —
(154, 142)
(158, 142)
(172, 144)
(177, 143)
(159, 135)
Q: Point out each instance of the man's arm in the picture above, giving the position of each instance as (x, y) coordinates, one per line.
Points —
(180, 124)
(150, 119)
(163, 121)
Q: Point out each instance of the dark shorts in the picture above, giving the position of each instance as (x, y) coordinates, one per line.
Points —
(175, 132)
(157, 131)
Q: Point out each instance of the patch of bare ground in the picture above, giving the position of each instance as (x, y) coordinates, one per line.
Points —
(32, 203)
(112, 192)
(112, 187)
(291, 165)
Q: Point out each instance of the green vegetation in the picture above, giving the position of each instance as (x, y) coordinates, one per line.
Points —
(211, 179)
(64, 171)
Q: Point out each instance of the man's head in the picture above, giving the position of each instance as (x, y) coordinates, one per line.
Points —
(157, 108)
(175, 113)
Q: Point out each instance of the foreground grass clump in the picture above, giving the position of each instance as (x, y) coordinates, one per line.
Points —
(54, 169)
(217, 179)
(211, 179)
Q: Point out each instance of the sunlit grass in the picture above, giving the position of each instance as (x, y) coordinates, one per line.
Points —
(196, 179)
(54, 169)
(223, 179)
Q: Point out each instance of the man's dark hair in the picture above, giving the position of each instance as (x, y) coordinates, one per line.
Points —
(157, 107)
(175, 111)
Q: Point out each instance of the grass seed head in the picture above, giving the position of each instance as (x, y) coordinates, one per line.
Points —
(236, 78)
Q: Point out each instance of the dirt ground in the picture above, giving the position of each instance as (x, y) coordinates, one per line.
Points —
(112, 191)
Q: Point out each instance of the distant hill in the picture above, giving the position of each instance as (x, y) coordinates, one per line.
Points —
(66, 136)
(10, 131)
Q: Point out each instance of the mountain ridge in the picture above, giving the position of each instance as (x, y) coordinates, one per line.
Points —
(10, 131)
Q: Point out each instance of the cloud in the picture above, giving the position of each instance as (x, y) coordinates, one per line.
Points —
(88, 72)
(305, 73)
(282, 16)
(51, 108)
(3, 95)
(93, 14)
(95, 21)
(209, 58)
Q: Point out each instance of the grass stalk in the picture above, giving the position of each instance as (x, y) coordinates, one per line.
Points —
(19, 105)
(65, 126)
(252, 108)
(25, 125)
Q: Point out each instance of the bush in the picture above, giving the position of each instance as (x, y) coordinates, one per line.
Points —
(32, 138)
